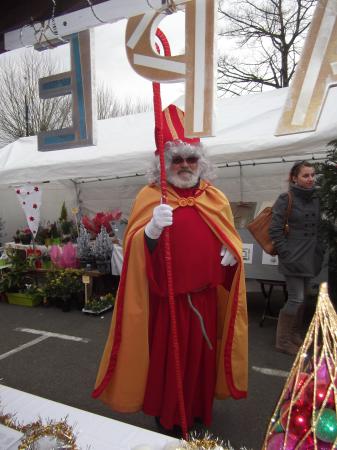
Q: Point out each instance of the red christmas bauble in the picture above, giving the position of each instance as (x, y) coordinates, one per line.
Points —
(301, 379)
(300, 418)
(321, 393)
(308, 443)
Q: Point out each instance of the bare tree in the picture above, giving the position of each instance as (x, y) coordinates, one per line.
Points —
(268, 36)
(22, 112)
(108, 104)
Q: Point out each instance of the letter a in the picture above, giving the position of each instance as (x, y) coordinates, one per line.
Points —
(315, 73)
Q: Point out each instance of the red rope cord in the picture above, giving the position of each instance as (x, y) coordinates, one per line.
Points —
(167, 241)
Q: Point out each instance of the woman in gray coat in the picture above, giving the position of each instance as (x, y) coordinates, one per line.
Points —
(300, 252)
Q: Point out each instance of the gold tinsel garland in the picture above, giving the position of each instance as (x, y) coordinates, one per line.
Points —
(205, 442)
(33, 431)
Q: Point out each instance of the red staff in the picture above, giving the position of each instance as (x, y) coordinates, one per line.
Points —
(166, 236)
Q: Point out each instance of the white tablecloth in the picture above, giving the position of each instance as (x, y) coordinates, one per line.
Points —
(43, 249)
(98, 432)
(116, 259)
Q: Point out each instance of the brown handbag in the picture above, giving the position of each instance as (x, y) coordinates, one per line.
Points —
(259, 227)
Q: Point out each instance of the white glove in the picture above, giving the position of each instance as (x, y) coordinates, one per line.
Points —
(228, 259)
(162, 217)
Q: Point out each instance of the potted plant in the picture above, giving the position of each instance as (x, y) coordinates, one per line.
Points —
(46, 262)
(66, 226)
(101, 219)
(98, 305)
(55, 235)
(33, 256)
(16, 284)
(63, 286)
(64, 257)
(23, 236)
(102, 251)
(84, 250)
(43, 235)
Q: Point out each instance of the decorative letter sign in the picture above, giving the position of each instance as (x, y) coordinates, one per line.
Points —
(78, 83)
(196, 67)
(315, 73)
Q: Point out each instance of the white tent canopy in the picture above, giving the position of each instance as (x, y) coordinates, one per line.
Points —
(245, 129)
(244, 133)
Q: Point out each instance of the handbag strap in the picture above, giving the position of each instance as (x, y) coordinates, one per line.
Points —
(286, 222)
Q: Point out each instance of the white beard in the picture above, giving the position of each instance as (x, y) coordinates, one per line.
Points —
(189, 180)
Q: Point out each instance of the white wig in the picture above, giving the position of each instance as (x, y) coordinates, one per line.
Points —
(184, 149)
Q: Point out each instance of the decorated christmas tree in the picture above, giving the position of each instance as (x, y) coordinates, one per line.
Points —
(305, 416)
(327, 181)
(84, 251)
(103, 250)
(103, 245)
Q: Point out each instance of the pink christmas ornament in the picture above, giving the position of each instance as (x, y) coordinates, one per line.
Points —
(323, 372)
(276, 442)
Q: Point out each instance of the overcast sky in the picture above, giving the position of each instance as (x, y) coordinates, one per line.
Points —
(113, 69)
(111, 65)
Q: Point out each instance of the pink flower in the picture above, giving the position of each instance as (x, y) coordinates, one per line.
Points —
(65, 256)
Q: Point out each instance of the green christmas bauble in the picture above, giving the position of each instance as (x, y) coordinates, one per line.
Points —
(326, 427)
(278, 427)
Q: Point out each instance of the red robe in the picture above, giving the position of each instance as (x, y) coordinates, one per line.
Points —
(196, 270)
(136, 370)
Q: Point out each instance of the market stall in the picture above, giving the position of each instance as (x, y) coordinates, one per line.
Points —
(252, 162)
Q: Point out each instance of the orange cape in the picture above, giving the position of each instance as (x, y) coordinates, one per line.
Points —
(122, 374)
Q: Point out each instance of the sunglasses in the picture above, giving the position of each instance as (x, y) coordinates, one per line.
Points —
(189, 160)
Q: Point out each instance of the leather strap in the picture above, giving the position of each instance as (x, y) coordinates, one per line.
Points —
(286, 222)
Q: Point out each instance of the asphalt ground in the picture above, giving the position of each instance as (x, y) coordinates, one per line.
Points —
(64, 370)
